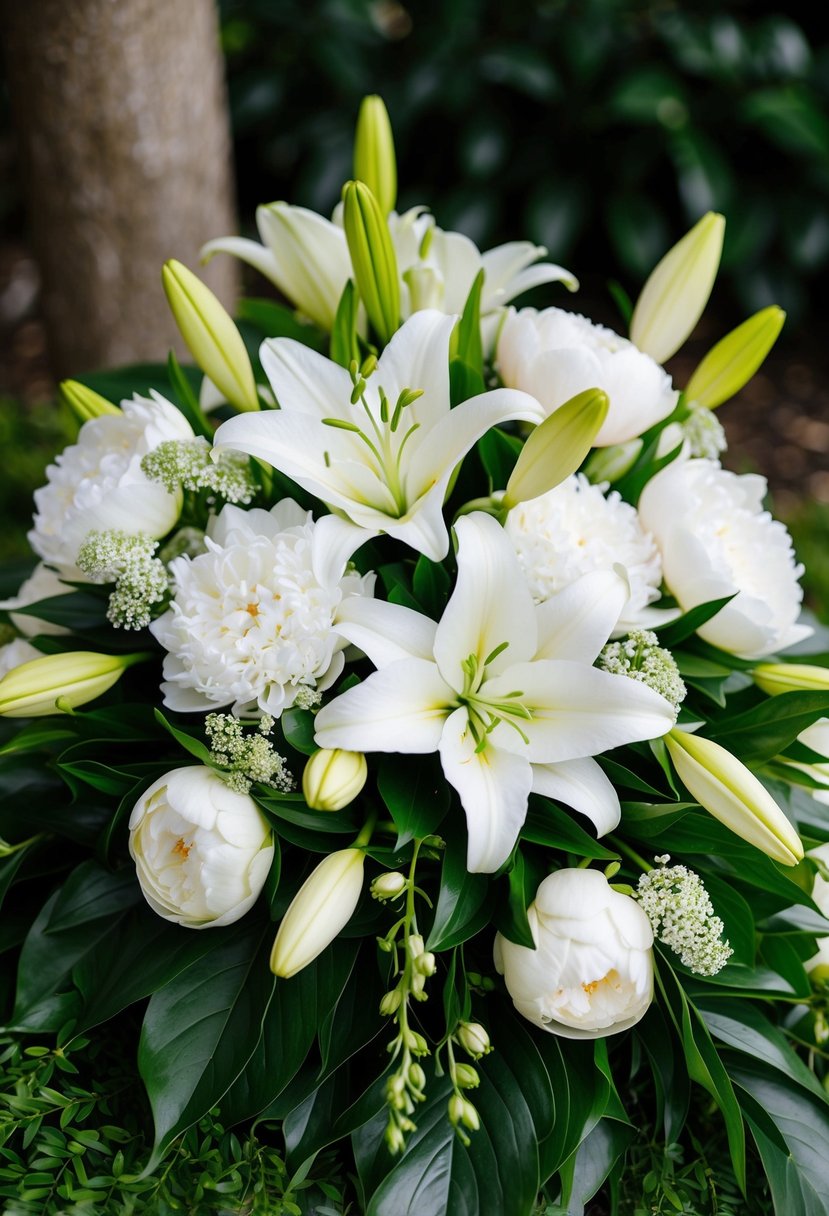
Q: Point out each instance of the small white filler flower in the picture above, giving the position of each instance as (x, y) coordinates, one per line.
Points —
(250, 623)
(591, 972)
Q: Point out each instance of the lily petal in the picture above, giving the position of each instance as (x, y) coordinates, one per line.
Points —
(311, 258)
(583, 785)
(385, 632)
(577, 621)
(417, 357)
(493, 786)
(399, 709)
(490, 605)
(256, 255)
(305, 380)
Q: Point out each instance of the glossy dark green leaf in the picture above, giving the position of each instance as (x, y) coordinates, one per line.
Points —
(744, 1027)
(186, 398)
(460, 911)
(677, 631)
(117, 383)
(202, 1027)
(190, 744)
(768, 728)
(783, 957)
(77, 611)
(549, 824)
(498, 452)
(431, 585)
(298, 729)
(415, 793)
(671, 1084)
(511, 918)
(276, 321)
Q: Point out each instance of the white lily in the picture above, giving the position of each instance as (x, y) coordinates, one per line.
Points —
(380, 453)
(503, 689)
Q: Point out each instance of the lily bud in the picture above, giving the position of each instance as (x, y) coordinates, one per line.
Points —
(388, 886)
(775, 678)
(33, 689)
(84, 402)
(556, 447)
(211, 335)
(673, 298)
(333, 778)
(322, 907)
(610, 464)
(372, 257)
(374, 159)
(732, 794)
(734, 360)
(473, 1039)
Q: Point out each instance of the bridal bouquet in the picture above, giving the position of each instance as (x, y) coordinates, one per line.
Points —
(403, 714)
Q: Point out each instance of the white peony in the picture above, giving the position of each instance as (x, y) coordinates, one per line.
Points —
(42, 584)
(573, 530)
(716, 540)
(820, 894)
(591, 973)
(202, 851)
(97, 483)
(15, 653)
(553, 355)
(250, 624)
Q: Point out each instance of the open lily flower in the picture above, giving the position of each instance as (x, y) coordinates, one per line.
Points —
(380, 453)
(502, 688)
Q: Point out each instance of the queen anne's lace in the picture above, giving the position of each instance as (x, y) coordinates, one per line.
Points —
(680, 911)
(187, 465)
(140, 579)
(642, 658)
(246, 757)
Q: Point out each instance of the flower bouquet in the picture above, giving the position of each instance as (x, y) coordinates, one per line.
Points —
(403, 714)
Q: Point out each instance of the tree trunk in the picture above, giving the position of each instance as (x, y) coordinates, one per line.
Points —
(120, 111)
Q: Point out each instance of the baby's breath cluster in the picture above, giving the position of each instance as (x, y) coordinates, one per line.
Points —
(640, 657)
(680, 911)
(246, 757)
(187, 464)
(140, 579)
(704, 434)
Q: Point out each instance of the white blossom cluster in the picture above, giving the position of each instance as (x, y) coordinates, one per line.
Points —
(680, 911)
(640, 657)
(246, 757)
(704, 433)
(187, 464)
(140, 578)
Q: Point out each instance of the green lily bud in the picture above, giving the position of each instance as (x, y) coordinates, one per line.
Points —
(465, 1076)
(610, 464)
(673, 298)
(333, 778)
(84, 402)
(388, 886)
(374, 159)
(556, 447)
(775, 678)
(734, 360)
(732, 794)
(321, 908)
(372, 257)
(60, 682)
(211, 335)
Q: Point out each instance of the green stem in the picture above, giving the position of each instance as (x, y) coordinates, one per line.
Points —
(630, 853)
(368, 830)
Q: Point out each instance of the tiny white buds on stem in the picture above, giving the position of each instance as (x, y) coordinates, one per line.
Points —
(465, 1076)
(388, 886)
(473, 1038)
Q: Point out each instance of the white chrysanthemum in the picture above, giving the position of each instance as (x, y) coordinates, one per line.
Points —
(716, 540)
(15, 653)
(97, 483)
(42, 584)
(250, 624)
(574, 529)
(553, 355)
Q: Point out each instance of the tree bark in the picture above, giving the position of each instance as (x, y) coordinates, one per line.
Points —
(122, 123)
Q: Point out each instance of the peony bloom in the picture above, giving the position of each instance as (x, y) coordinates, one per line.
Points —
(820, 894)
(591, 973)
(716, 540)
(380, 453)
(202, 851)
(573, 530)
(553, 355)
(504, 690)
(97, 483)
(250, 623)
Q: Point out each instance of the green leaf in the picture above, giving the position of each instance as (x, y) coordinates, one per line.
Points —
(415, 793)
(117, 383)
(743, 1027)
(190, 744)
(548, 824)
(705, 1066)
(431, 585)
(276, 321)
(735, 913)
(201, 1028)
(460, 910)
(298, 729)
(782, 956)
(511, 919)
(186, 398)
(498, 452)
(344, 345)
(677, 631)
(77, 611)
(467, 361)
(671, 1084)
(768, 728)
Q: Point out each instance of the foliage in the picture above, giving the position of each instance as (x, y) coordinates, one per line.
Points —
(596, 128)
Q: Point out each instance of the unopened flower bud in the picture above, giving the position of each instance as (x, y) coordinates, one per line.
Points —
(425, 963)
(211, 335)
(415, 945)
(673, 298)
(84, 402)
(462, 1111)
(374, 159)
(557, 447)
(395, 1140)
(372, 257)
(473, 1039)
(390, 1002)
(418, 987)
(734, 360)
(333, 778)
(321, 908)
(416, 1043)
(465, 1076)
(417, 1077)
(388, 886)
(775, 678)
(55, 683)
